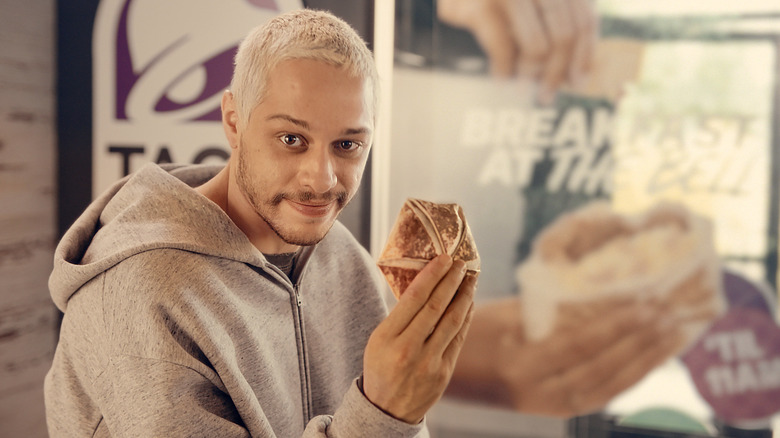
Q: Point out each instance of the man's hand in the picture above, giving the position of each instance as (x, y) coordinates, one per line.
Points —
(411, 355)
(575, 370)
(549, 41)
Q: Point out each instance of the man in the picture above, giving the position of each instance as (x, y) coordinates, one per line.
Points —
(234, 309)
(202, 301)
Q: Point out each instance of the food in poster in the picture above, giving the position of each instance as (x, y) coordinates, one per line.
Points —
(665, 255)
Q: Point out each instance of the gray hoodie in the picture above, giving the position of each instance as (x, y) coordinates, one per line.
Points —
(176, 325)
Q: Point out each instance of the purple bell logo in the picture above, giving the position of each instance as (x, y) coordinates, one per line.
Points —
(159, 71)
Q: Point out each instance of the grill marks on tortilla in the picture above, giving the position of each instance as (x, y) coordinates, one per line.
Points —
(422, 231)
(399, 277)
(424, 245)
(449, 236)
(418, 244)
(437, 220)
(467, 251)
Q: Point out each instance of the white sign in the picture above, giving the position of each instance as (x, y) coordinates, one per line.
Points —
(159, 71)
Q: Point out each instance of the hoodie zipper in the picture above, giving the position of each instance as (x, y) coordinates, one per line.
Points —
(304, 362)
(298, 298)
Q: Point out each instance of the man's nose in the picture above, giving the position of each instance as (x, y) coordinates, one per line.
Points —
(317, 172)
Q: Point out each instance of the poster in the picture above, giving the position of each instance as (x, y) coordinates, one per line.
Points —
(682, 107)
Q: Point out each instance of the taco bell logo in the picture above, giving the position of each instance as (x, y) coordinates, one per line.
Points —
(159, 70)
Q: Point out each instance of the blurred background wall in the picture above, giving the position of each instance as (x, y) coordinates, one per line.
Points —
(27, 211)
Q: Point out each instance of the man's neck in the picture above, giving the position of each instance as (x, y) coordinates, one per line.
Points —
(226, 195)
(285, 262)
(215, 189)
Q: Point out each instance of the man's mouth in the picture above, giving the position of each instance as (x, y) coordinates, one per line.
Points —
(312, 209)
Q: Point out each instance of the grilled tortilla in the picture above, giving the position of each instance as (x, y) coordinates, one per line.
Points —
(422, 231)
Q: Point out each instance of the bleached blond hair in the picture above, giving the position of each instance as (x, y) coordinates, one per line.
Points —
(300, 34)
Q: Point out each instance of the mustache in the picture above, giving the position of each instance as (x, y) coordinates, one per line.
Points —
(340, 197)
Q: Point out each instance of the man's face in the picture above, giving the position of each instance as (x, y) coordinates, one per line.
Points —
(303, 151)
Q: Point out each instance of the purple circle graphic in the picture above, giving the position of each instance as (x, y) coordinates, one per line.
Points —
(736, 366)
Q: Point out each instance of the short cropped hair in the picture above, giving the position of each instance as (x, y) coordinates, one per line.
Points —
(300, 34)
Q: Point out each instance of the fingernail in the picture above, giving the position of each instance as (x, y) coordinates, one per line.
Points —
(473, 281)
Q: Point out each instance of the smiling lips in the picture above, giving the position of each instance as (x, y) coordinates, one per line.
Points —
(312, 209)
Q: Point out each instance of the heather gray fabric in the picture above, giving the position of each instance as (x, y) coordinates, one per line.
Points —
(176, 325)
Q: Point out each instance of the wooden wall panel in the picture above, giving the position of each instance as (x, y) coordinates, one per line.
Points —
(27, 212)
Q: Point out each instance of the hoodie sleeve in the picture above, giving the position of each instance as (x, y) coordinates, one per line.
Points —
(153, 398)
(358, 417)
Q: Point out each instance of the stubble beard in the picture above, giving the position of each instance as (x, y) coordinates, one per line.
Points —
(265, 209)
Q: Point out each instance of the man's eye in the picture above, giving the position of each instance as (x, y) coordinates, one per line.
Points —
(347, 145)
(291, 140)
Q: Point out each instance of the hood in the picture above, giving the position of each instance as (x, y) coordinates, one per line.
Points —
(150, 209)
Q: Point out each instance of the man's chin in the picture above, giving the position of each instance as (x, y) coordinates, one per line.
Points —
(305, 237)
(296, 228)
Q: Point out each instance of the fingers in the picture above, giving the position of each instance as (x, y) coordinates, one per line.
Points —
(453, 349)
(451, 330)
(586, 23)
(635, 356)
(531, 37)
(494, 34)
(693, 300)
(562, 34)
(417, 294)
(555, 40)
(591, 382)
(591, 333)
(547, 41)
(489, 25)
(440, 300)
(588, 319)
(404, 373)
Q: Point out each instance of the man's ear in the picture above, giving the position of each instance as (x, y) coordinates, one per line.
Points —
(230, 119)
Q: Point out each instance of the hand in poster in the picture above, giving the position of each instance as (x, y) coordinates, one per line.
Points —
(411, 355)
(605, 299)
(595, 353)
(550, 41)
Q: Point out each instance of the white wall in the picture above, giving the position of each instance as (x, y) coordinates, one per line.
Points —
(27, 211)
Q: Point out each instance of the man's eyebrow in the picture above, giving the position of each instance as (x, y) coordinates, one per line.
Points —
(303, 124)
(356, 131)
